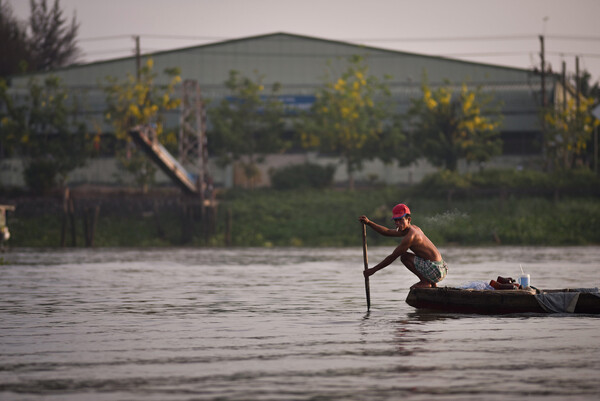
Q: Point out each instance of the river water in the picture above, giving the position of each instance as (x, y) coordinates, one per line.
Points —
(282, 324)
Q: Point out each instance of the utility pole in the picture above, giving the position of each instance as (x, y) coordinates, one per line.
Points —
(564, 84)
(543, 77)
(138, 57)
(596, 114)
(577, 83)
(543, 57)
(596, 150)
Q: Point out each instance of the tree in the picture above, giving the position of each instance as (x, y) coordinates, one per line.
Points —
(53, 43)
(139, 101)
(392, 144)
(353, 116)
(588, 88)
(568, 131)
(247, 125)
(43, 129)
(14, 43)
(49, 43)
(449, 127)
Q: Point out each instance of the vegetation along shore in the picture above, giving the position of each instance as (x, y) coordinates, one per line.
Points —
(522, 208)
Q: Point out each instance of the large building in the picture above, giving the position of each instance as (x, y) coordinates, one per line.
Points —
(299, 63)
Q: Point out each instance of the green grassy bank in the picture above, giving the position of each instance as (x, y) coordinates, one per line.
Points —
(330, 218)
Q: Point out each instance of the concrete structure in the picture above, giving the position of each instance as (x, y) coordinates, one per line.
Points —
(298, 63)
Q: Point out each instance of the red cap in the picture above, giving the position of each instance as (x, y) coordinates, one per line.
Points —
(399, 211)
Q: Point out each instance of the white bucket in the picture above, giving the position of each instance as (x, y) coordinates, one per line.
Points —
(524, 280)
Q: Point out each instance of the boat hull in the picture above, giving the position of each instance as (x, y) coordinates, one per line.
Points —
(489, 301)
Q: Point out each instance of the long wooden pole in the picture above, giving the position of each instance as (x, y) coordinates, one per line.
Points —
(366, 262)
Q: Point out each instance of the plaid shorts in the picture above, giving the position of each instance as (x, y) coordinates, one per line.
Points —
(433, 272)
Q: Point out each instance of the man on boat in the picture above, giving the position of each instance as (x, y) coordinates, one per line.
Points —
(425, 260)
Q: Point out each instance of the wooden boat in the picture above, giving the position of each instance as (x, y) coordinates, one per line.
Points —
(500, 301)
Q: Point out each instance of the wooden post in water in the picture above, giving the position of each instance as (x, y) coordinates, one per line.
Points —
(94, 222)
(65, 218)
(72, 219)
(186, 217)
(366, 264)
(86, 227)
(90, 217)
(159, 228)
(228, 224)
(209, 221)
(68, 219)
(189, 208)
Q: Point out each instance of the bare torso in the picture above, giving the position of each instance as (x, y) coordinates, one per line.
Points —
(418, 242)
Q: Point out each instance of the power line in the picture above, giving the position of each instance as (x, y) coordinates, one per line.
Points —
(152, 36)
(495, 54)
(477, 38)
(391, 39)
(486, 54)
(125, 49)
(573, 37)
(279, 54)
(574, 54)
(444, 38)
(424, 39)
(99, 38)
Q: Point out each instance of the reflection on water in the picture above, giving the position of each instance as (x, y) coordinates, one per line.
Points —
(283, 324)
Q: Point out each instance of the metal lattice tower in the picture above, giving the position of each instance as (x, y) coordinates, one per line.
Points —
(192, 133)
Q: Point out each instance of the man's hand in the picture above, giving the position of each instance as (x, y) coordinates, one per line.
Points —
(368, 272)
(364, 219)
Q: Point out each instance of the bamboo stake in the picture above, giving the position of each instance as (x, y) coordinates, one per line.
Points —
(366, 263)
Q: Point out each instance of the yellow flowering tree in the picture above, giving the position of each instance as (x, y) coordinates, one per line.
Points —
(139, 101)
(449, 126)
(353, 116)
(568, 131)
(248, 124)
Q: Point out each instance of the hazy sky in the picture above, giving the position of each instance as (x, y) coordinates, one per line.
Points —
(503, 32)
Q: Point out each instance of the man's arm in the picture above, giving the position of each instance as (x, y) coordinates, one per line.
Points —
(380, 229)
(400, 249)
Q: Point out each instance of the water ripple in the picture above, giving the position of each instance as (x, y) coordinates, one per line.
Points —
(280, 324)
